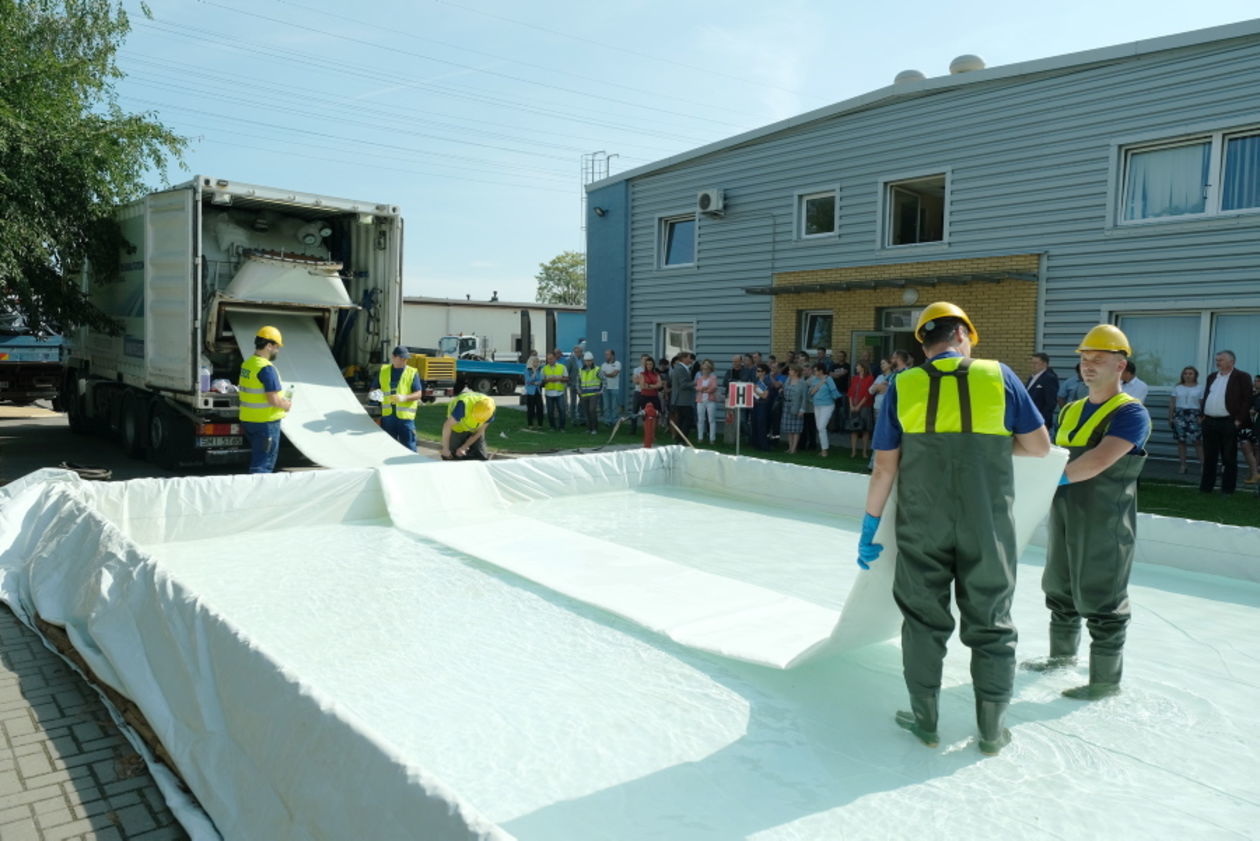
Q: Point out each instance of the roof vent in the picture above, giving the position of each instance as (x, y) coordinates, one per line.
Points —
(966, 64)
(906, 76)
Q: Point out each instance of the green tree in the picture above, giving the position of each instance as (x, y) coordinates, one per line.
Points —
(68, 154)
(563, 280)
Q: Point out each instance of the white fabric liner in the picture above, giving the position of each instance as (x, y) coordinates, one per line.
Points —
(316, 676)
(327, 423)
(266, 279)
(713, 613)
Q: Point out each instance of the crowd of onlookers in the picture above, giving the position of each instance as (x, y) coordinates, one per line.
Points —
(805, 402)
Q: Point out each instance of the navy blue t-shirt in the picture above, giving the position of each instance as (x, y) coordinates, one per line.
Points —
(1021, 415)
(1131, 422)
(457, 413)
(269, 378)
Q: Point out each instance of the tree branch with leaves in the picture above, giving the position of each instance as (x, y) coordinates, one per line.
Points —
(562, 280)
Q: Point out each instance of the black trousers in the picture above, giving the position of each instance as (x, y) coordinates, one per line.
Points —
(1220, 440)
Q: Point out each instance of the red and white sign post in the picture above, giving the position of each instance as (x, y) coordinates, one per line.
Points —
(739, 396)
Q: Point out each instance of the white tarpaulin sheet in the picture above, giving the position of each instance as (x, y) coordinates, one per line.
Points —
(319, 671)
(721, 613)
(327, 423)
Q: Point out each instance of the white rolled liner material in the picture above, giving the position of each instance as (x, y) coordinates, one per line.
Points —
(327, 423)
(266, 755)
(70, 552)
(698, 609)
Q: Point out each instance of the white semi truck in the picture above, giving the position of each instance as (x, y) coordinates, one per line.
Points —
(199, 253)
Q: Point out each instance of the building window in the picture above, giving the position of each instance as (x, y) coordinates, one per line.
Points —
(816, 330)
(1237, 332)
(816, 215)
(899, 319)
(1197, 176)
(676, 338)
(678, 241)
(916, 210)
(1162, 345)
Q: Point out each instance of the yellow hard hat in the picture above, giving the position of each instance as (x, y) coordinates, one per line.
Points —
(271, 334)
(482, 410)
(941, 309)
(1106, 337)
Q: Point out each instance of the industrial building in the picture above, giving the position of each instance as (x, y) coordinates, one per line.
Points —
(1117, 185)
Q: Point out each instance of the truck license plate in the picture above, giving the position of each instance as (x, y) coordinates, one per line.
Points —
(220, 441)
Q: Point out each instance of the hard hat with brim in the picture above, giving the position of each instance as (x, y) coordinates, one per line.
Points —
(271, 334)
(943, 309)
(1106, 337)
(482, 410)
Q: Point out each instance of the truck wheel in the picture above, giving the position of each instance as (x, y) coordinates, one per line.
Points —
(483, 384)
(135, 420)
(164, 434)
(73, 401)
(507, 385)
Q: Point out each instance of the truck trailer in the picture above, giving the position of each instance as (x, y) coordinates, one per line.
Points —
(198, 254)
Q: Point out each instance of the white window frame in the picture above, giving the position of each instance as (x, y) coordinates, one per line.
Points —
(804, 323)
(663, 326)
(662, 240)
(1216, 138)
(798, 218)
(1207, 316)
(883, 231)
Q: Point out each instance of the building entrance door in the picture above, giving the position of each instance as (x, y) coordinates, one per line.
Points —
(870, 346)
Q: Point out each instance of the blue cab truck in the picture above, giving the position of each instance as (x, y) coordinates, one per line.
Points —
(30, 365)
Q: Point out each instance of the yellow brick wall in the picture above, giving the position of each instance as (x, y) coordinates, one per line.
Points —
(1004, 313)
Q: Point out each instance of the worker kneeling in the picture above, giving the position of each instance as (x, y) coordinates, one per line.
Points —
(1091, 533)
(464, 433)
(401, 390)
(947, 433)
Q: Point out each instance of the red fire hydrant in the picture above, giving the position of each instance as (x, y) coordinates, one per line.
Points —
(649, 424)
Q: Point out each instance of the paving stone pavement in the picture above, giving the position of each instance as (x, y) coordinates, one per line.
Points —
(66, 773)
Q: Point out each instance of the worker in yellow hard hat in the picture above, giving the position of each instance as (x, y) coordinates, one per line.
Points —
(262, 402)
(1091, 533)
(947, 433)
(464, 433)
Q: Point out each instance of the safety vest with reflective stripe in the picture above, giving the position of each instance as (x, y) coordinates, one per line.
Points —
(556, 370)
(588, 381)
(252, 395)
(954, 394)
(1097, 425)
(468, 399)
(406, 385)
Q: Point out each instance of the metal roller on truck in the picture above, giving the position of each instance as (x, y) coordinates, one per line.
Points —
(202, 253)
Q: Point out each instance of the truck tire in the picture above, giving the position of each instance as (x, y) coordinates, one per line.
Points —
(507, 386)
(165, 434)
(483, 384)
(73, 402)
(134, 424)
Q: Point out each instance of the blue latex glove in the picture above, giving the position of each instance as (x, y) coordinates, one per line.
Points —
(1064, 480)
(867, 550)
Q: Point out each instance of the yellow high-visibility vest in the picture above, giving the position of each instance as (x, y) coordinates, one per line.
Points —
(406, 385)
(1069, 436)
(556, 370)
(468, 399)
(253, 397)
(588, 380)
(956, 395)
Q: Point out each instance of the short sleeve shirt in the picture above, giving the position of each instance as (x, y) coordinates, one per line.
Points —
(1021, 415)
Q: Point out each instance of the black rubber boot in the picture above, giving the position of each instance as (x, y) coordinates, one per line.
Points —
(921, 719)
(1104, 678)
(990, 718)
(1063, 645)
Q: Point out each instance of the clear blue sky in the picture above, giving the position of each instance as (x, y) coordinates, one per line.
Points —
(474, 115)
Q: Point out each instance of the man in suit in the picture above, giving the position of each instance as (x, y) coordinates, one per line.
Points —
(1226, 408)
(1043, 388)
(682, 394)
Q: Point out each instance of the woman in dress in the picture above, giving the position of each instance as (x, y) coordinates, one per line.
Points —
(793, 419)
(861, 413)
(1183, 415)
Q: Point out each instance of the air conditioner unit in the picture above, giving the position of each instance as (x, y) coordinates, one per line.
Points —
(711, 202)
